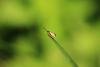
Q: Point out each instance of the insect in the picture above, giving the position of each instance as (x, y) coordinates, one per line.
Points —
(50, 34)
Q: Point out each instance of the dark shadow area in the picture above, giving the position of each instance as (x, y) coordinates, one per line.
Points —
(7, 52)
(8, 36)
(95, 16)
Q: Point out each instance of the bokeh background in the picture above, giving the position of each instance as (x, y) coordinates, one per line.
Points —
(24, 43)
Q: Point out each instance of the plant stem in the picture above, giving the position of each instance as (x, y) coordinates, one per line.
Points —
(74, 64)
(50, 34)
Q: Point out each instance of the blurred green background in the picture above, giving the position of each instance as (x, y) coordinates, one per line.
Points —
(24, 43)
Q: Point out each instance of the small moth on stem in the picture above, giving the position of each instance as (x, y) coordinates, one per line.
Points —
(52, 35)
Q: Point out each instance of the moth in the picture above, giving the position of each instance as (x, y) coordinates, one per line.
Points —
(50, 34)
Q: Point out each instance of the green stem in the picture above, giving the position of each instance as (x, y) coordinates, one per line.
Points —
(74, 64)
